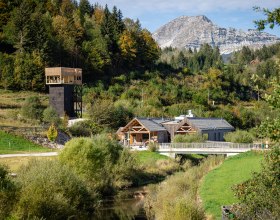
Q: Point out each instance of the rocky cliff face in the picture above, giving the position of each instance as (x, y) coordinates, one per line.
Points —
(185, 32)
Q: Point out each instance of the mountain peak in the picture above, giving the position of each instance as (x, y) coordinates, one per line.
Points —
(192, 31)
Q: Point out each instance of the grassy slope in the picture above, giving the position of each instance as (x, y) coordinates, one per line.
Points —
(14, 144)
(216, 186)
(10, 104)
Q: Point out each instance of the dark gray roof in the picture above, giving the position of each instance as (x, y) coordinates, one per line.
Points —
(210, 124)
(151, 124)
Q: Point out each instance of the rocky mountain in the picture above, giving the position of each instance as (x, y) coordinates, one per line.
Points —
(191, 32)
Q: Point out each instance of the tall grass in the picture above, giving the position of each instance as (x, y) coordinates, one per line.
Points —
(177, 197)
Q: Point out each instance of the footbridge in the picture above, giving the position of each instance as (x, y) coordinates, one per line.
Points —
(171, 149)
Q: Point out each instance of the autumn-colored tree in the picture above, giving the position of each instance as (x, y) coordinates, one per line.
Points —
(128, 46)
(150, 49)
(98, 14)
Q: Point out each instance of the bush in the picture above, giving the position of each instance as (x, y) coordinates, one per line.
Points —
(153, 147)
(50, 116)
(97, 160)
(49, 190)
(52, 133)
(239, 136)
(32, 108)
(104, 113)
(8, 193)
(259, 196)
(125, 170)
(190, 138)
(84, 129)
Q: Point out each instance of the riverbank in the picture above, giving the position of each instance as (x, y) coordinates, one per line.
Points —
(216, 188)
(178, 196)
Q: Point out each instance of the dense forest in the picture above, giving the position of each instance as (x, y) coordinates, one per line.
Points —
(125, 72)
(37, 34)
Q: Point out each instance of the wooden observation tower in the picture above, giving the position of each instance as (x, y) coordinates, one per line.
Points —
(65, 89)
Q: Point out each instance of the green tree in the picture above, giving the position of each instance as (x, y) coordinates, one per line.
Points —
(272, 18)
(239, 136)
(18, 28)
(259, 196)
(32, 108)
(50, 190)
(149, 50)
(85, 7)
(7, 71)
(50, 116)
(93, 160)
(29, 71)
(270, 128)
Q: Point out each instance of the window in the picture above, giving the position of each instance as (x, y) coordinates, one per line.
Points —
(145, 136)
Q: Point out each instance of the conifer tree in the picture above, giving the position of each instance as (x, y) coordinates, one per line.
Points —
(52, 133)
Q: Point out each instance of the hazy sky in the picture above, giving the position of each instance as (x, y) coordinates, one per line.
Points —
(225, 13)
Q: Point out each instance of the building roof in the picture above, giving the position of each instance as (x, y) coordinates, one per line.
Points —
(210, 124)
(202, 124)
(152, 124)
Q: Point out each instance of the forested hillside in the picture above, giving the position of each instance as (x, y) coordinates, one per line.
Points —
(37, 34)
(125, 72)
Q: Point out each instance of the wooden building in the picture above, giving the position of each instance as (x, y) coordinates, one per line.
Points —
(65, 90)
(141, 131)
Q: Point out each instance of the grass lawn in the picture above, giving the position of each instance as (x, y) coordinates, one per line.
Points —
(148, 156)
(216, 187)
(11, 144)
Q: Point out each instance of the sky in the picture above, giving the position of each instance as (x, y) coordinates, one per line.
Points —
(224, 13)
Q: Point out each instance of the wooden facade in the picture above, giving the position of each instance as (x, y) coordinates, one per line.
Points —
(141, 131)
(63, 75)
(136, 133)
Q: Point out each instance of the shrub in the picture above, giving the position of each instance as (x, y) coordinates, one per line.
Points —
(239, 136)
(85, 129)
(153, 147)
(125, 170)
(104, 113)
(259, 196)
(49, 190)
(32, 108)
(190, 138)
(50, 116)
(96, 160)
(52, 133)
(8, 193)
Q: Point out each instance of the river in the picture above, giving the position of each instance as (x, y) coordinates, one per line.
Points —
(127, 204)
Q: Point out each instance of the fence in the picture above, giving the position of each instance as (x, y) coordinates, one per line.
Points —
(209, 145)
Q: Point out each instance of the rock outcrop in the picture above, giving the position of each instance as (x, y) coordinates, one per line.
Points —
(191, 32)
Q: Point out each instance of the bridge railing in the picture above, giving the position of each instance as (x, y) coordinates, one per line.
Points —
(208, 145)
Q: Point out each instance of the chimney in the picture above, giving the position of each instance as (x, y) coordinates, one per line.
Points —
(190, 114)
